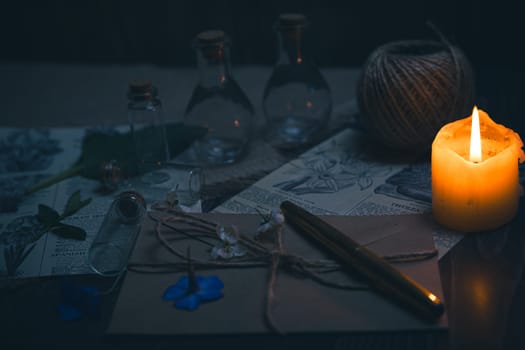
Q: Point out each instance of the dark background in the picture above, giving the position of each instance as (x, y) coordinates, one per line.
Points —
(342, 33)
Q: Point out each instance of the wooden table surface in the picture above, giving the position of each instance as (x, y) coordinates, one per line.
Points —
(482, 276)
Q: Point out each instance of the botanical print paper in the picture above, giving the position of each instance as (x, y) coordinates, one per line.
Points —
(341, 176)
(28, 156)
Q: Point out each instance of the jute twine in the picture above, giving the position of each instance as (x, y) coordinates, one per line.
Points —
(409, 89)
(174, 226)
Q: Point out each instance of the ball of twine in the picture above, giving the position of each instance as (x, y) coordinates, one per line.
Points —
(409, 89)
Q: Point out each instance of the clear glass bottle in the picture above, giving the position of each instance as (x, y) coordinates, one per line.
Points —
(297, 101)
(110, 250)
(148, 130)
(218, 103)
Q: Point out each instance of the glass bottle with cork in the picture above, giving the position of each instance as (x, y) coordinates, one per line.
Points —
(218, 104)
(148, 130)
(297, 101)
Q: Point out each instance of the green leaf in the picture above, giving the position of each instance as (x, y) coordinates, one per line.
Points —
(68, 231)
(65, 174)
(74, 204)
(47, 215)
(98, 148)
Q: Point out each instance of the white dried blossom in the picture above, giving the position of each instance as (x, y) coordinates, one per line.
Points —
(227, 251)
(270, 222)
(229, 247)
(228, 234)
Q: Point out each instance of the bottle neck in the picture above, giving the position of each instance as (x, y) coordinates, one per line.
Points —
(143, 99)
(291, 45)
(145, 105)
(213, 62)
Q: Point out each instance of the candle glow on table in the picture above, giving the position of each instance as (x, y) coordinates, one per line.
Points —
(475, 179)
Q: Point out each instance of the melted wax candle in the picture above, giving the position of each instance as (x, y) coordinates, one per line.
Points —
(475, 180)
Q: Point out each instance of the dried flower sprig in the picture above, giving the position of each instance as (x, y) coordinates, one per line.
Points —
(270, 223)
(229, 247)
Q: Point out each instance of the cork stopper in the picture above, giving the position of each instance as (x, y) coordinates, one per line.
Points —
(140, 86)
(139, 90)
(292, 19)
(211, 37)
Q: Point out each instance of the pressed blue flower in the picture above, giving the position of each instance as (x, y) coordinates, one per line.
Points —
(190, 291)
(78, 301)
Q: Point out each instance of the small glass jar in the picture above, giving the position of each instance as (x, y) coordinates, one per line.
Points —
(147, 127)
(297, 101)
(186, 184)
(110, 250)
(218, 104)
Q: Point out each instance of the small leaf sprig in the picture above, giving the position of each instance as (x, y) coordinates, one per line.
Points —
(52, 219)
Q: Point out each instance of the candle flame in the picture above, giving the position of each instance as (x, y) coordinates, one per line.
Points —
(475, 138)
(432, 297)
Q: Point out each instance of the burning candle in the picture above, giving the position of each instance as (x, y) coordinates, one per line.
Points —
(475, 180)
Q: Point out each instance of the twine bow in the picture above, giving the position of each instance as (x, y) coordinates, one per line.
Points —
(273, 256)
